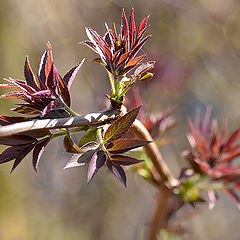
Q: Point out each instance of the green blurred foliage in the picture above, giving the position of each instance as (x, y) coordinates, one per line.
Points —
(196, 45)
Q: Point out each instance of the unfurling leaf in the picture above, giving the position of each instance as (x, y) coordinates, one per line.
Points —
(146, 77)
(97, 161)
(118, 128)
(68, 145)
(124, 145)
(118, 171)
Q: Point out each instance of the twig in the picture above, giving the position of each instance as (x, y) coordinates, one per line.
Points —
(154, 154)
(90, 119)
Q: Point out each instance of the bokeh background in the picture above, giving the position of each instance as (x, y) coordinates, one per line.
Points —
(196, 44)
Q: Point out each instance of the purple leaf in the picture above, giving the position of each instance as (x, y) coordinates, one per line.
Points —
(97, 161)
(118, 171)
(38, 151)
(16, 140)
(10, 153)
(52, 79)
(124, 160)
(80, 159)
(63, 90)
(73, 162)
(21, 155)
(70, 76)
(5, 120)
(124, 145)
(119, 127)
(29, 75)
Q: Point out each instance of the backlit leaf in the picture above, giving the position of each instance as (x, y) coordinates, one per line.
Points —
(119, 127)
(118, 172)
(124, 145)
(90, 136)
(97, 161)
(29, 75)
(70, 76)
(124, 160)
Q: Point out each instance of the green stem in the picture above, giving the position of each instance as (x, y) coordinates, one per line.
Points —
(101, 141)
(67, 108)
(73, 144)
(64, 132)
(112, 83)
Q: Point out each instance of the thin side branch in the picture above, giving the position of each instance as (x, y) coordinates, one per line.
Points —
(90, 119)
(154, 154)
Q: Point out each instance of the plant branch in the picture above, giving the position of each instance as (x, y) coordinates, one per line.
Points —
(154, 154)
(91, 119)
(159, 216)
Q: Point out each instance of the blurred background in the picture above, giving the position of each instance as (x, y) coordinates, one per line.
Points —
(197, 48)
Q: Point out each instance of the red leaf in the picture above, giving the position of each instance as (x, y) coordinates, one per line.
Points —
(132, 28)
(119, 127)
(134, 61)
(63, 89)
(233, 196)
(52, 79)
(124, 145)
(142, 26)
(38, 151)
(122, 58)
(97, 161)
(49, 61)
(137, 48)
(231, 140)
(90, 44)
(230, 157)
(124, 26)
(207, 121)
(118, 171)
